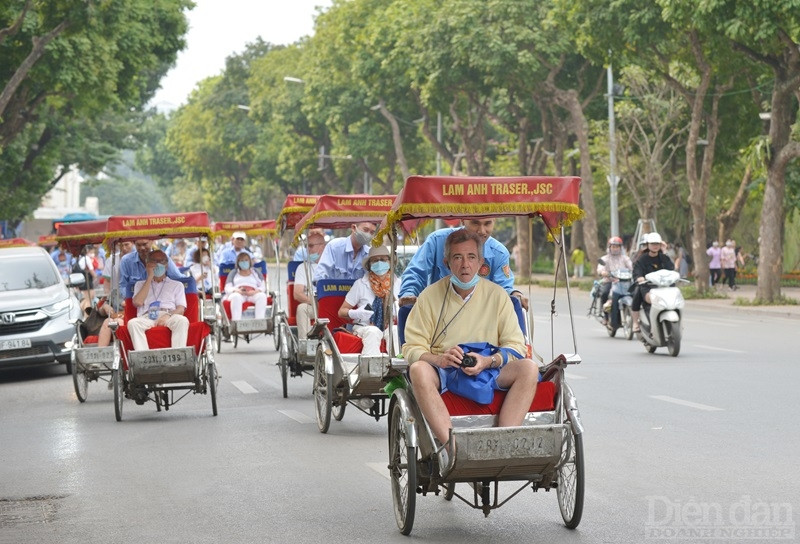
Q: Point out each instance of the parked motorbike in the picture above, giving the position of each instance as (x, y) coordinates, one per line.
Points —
(661, 319)
(616, 312)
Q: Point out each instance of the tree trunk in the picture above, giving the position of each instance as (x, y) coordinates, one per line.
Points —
(396, 138)
(39, 45)
(729, 218)
(569, 101)
(770, 259)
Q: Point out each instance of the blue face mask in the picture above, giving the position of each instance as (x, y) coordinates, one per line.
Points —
(379, 267)
(244, 265)
(159, 270)
(313, 257)
(464, 285)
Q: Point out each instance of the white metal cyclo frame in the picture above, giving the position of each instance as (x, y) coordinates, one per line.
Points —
(559, 261)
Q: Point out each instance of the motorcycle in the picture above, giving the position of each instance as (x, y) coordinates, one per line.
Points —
(616, 312)
(661, 318)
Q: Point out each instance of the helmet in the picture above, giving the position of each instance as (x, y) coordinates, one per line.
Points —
(653, 238)
(615, 241)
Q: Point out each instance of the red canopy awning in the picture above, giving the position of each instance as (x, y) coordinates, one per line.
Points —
(74, 236)
(294, 208)
(555, 199)
(341, 211)
(251, 228)
(16, 242)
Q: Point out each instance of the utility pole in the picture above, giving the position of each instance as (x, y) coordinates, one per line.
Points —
(612, 149)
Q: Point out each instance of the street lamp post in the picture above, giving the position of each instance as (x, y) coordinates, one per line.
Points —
(612, 145)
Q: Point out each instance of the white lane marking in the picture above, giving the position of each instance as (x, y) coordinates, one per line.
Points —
(245, 387)
(688, 403)
(380, 468)
(573, 376)
(297, 416)
(714, 348)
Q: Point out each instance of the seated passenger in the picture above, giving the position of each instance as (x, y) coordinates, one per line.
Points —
(244, 284)
(159, 301)
(202, 269)
(369, 302)
(458, 309)
(302, 284)
(342, 257)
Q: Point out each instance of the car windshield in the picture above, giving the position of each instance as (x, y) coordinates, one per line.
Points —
(26, 273)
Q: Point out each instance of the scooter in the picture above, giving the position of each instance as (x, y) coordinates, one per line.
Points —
(619, 293)
(661, 318)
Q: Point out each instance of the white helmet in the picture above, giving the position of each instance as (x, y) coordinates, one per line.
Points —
(653, 238)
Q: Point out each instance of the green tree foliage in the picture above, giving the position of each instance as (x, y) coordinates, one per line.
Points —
(70, 72)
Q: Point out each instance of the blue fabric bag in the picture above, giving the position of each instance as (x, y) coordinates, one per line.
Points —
(479, 388)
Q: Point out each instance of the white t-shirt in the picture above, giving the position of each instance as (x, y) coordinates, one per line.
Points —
(362, 294)
(300, 275)
(168, 293)
(198, 268)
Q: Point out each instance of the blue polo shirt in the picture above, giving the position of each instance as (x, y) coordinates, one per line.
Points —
(340, 261)
(427, 265)
(132, 269)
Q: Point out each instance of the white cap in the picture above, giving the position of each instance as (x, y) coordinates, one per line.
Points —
(653, 238)
(239, 234)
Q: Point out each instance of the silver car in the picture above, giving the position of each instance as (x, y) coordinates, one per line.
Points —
(37, 310)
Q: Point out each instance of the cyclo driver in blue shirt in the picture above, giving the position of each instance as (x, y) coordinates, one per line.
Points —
(427, 266)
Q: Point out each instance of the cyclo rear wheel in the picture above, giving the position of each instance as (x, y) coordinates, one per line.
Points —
(323, 391)
(211, 371)
(570, 487)
(79, 379)
(403, 469)
(119, 392)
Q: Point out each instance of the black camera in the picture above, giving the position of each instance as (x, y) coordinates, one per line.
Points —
(469, 360)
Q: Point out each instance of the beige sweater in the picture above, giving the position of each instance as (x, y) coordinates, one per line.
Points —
(488, 316)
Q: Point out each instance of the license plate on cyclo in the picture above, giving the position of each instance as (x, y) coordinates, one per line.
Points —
(15, 344)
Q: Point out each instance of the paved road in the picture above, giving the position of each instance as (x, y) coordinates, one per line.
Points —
(706, 440)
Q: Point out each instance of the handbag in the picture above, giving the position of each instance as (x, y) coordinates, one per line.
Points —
(481, 387)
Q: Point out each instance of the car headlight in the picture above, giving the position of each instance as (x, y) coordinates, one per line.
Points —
(58, 307)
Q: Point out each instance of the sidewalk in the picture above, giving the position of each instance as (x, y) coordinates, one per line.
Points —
(749, 292)
(722, 304)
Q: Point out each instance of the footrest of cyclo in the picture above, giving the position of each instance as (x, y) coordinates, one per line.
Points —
(163, 366)
(368, 375)
(506, 453)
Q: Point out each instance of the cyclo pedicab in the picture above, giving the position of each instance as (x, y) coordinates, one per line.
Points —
(89, 362)
(164, 373)
(546, 452)
(249, 326)
(341, 374)
(295, 358)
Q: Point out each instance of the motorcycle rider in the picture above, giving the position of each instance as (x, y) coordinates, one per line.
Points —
(653, 259)
(612, 262)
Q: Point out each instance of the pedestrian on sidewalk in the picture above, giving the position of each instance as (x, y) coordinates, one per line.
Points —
(714, 266)
(578, 258)
(728, 261)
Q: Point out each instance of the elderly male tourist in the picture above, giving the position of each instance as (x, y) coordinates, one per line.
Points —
(159, 301)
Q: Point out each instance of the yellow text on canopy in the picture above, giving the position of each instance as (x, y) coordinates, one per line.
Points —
(520, 188)
(154, 221)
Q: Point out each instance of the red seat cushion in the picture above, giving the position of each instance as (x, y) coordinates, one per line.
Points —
(161, 337)
(350, 343)
(543, 401)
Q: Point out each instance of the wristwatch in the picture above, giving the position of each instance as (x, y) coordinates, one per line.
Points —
(493, 362)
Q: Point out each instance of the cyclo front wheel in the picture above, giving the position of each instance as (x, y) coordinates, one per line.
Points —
(571, 480)
(403, 469)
